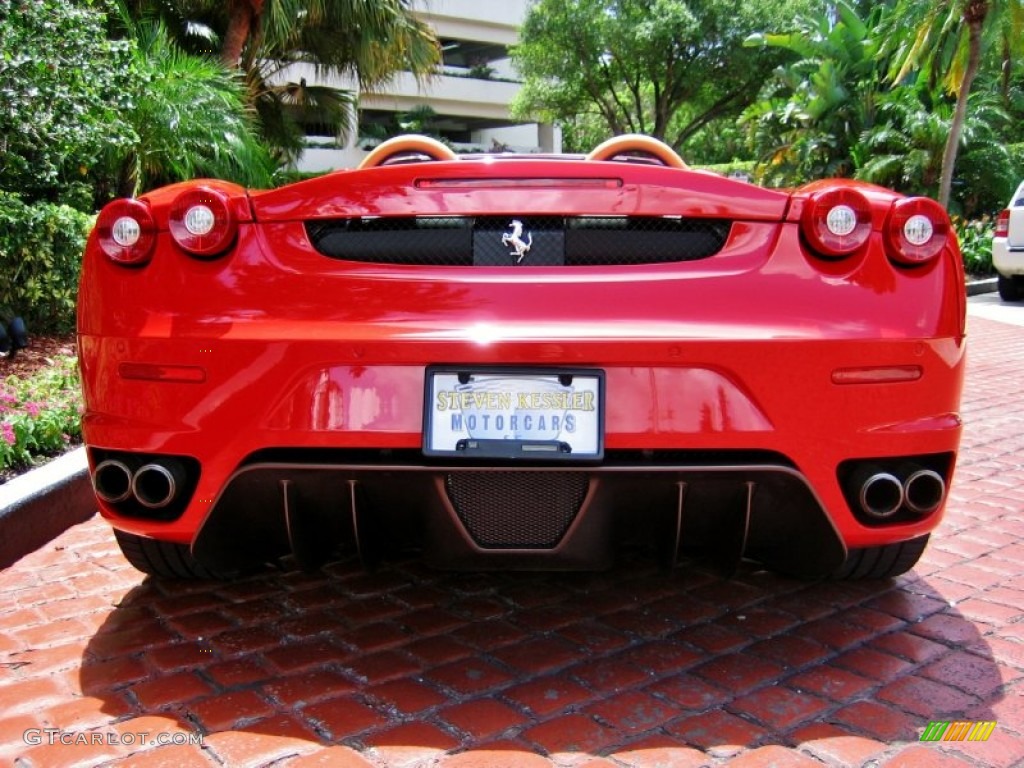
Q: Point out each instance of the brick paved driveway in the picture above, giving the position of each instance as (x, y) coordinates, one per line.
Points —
(636, 667)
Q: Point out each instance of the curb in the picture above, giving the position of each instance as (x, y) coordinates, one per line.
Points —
(40, 505)
(977, 287)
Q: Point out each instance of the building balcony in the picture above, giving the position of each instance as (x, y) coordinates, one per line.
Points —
(447, 95)
(496, 23)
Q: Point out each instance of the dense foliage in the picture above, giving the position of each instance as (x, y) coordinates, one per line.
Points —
(661, 67)
(190, 118)
(300, 58)
(40, 257)
(94, 105)
(813, 111)
(976, 244)
(63, 90)
(904, 93)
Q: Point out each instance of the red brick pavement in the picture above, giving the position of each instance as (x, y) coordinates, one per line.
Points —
(633, 668)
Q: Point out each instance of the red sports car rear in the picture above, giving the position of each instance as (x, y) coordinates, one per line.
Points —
(523, 362)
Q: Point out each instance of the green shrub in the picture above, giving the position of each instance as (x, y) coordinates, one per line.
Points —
(1017, 156)
(976, 244)
(64, 90)
(40, 260)
(41, 414)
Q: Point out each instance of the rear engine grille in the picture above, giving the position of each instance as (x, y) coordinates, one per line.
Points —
(517, 510)
(489, 240)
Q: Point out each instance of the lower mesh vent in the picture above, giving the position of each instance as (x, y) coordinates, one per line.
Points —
(517, 510)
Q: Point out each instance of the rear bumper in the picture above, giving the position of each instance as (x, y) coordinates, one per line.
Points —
(262, 416)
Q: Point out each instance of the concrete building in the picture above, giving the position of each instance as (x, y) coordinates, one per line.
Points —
(468, 99)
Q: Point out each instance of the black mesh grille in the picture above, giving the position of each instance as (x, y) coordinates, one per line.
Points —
(492, 240)
(517, 510)
(424, 240)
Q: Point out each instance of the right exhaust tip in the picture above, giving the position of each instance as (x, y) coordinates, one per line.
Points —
(155, 485)
(925, 490)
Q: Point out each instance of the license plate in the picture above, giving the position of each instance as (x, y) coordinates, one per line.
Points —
(514, 414)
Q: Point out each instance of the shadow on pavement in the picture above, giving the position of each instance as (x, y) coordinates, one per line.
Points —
(404, 664)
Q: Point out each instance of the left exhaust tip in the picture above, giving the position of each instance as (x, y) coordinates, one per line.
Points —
(112, 481)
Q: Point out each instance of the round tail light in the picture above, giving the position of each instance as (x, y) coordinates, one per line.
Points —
(837, 222)
(201, 222)
(916, 231)
(126, 232)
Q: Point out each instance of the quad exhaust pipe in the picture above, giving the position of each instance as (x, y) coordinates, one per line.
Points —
(882, 494)
(154, 485)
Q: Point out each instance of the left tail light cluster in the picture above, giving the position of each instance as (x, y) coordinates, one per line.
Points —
(200, 221)
(127, 232)
(837, 223)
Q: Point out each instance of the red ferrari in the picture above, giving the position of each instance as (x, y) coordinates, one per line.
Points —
(505, 361)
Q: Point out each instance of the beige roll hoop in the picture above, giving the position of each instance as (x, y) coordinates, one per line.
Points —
(637, 142)
(408, 144)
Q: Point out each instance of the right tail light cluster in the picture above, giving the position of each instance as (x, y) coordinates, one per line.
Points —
(836, 223)
(200, 220)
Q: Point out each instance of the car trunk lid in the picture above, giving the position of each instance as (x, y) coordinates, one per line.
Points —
(512, 189)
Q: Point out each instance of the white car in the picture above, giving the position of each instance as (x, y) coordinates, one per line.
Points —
(1008, 248)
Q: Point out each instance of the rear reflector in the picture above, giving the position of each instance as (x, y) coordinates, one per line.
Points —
(877, 374)
(185, 374)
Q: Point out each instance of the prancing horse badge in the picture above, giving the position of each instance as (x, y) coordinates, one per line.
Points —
(514, 239)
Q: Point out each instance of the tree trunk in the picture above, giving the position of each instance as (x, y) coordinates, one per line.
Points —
(242, 16)
(974, 17)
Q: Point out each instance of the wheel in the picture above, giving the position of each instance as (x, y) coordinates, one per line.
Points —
(636, 142)
(410, 144)
(883, 562)
(1011, 288)
(164, 559)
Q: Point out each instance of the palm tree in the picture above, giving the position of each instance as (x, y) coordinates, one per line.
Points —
(904, 149)
(191, 119)
(362, 41)
(946, 40)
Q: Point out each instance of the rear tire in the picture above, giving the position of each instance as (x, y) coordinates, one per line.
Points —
(883, 562)
(164, 559)
(1011, 287)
